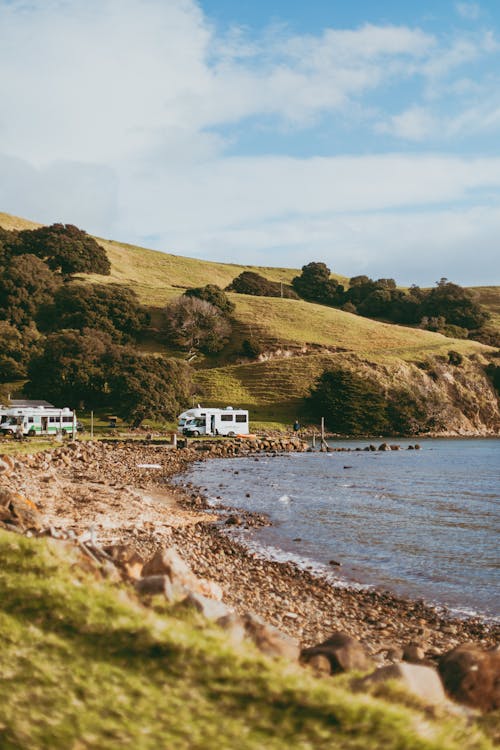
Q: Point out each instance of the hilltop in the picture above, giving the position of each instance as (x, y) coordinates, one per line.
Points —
(299, 339)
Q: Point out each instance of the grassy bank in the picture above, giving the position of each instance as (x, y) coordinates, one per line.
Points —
(85, 666)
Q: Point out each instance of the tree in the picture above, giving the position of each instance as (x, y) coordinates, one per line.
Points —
(111, 308)
(86, 367)
(315, 285)
(148, 387)
(455, 304)
(70, 369)
(213, 294)
(351, 404)
(25, 285)
(249, 282)
(16, 347)
(66, 249)
(193, 323)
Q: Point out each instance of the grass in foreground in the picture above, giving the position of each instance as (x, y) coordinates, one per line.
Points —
(84, 666)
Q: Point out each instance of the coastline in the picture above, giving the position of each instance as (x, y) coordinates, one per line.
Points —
(103, 488)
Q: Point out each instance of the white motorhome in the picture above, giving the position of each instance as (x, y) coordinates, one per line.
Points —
(37, 420)
(228, 421)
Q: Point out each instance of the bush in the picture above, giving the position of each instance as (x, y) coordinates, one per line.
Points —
(111, 308)
(252, 283)
(350, 404)
(213, 294)
(455, 358)
(66, 249)
(251, 348)
(25, 285)
(314, 284)
(85, 367)
(193, 323)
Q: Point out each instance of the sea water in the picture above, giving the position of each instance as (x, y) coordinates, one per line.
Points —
(420, 523)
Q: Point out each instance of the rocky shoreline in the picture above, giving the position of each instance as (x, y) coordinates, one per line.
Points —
(122, 495)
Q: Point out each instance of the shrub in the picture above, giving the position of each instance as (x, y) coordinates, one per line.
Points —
(213, 294)
(251, 348)
(193, 323)
(252, 283)
(350, 403)
(66, 249)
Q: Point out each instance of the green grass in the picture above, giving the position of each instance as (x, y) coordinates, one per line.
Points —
(84, 666)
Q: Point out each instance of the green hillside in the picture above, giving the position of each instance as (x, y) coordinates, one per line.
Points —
(84, 665)
(299, 339)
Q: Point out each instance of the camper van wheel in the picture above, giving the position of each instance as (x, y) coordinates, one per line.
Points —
(31, 433)
(231, 434)
(195, 433)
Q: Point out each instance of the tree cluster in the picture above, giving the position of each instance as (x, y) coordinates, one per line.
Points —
(87, 369)
(193, 324)
(252, 283)
(355, 405)
(448, 308)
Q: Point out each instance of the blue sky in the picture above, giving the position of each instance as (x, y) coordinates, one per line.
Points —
(362, 134)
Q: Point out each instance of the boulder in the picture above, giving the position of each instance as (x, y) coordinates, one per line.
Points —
(343, 652)
(421, 681)
(413, 653)
(269, 639)
(472, 676)
(18, 510)
(6, 465)
(234, 625)
(209, 608)
(168, 562)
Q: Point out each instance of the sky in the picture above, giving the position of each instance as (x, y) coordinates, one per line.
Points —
(361, 134)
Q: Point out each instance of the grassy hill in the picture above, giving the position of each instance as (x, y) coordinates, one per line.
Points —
(306, 337)
(84, 665)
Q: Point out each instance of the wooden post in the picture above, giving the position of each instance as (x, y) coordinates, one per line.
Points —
(91, 425)
(323, 441)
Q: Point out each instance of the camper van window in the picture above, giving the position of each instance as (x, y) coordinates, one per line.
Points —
(68, 419)
(226, 417)
(30, 420)
(241, 417)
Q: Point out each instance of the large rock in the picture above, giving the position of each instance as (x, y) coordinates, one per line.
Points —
(472, 676)
(18, 510)
(209, 608)
(343, 652)
(269, 639)
(421, 681)
(6, 465)
(168, 562)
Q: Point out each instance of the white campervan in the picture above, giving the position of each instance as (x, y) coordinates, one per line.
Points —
(38, 420)
(228, 421)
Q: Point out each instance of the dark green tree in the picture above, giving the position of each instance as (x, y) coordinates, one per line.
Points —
(350, 404)
(213, 294)
(66, 249)
(111, 308)
(25, 285)
(455, 304)
(17, 346)
(249, 282)
(315, 285)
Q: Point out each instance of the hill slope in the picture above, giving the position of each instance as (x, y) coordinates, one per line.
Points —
(301, 339)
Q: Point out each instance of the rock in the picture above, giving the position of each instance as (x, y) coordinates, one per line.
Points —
(157, 584)
(234, 625)
(421, 681)
(269, 639)
(472, 676)
(167, 561)
(6, 465)
(413, 653)
(384, 447)
(320, 665)
(18, 510)
(234, 520)
(209, 608)
(344, 653)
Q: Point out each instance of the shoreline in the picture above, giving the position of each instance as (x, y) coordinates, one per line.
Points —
(403, 620)
(102, 488)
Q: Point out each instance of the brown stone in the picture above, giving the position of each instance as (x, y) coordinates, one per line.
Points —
(413, 653)
(344, 653)
(472, 676)
(421, 681)
(6, 465)
(269, 639)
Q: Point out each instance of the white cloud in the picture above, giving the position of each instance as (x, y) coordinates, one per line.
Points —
(115, 115)
(469, 11)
